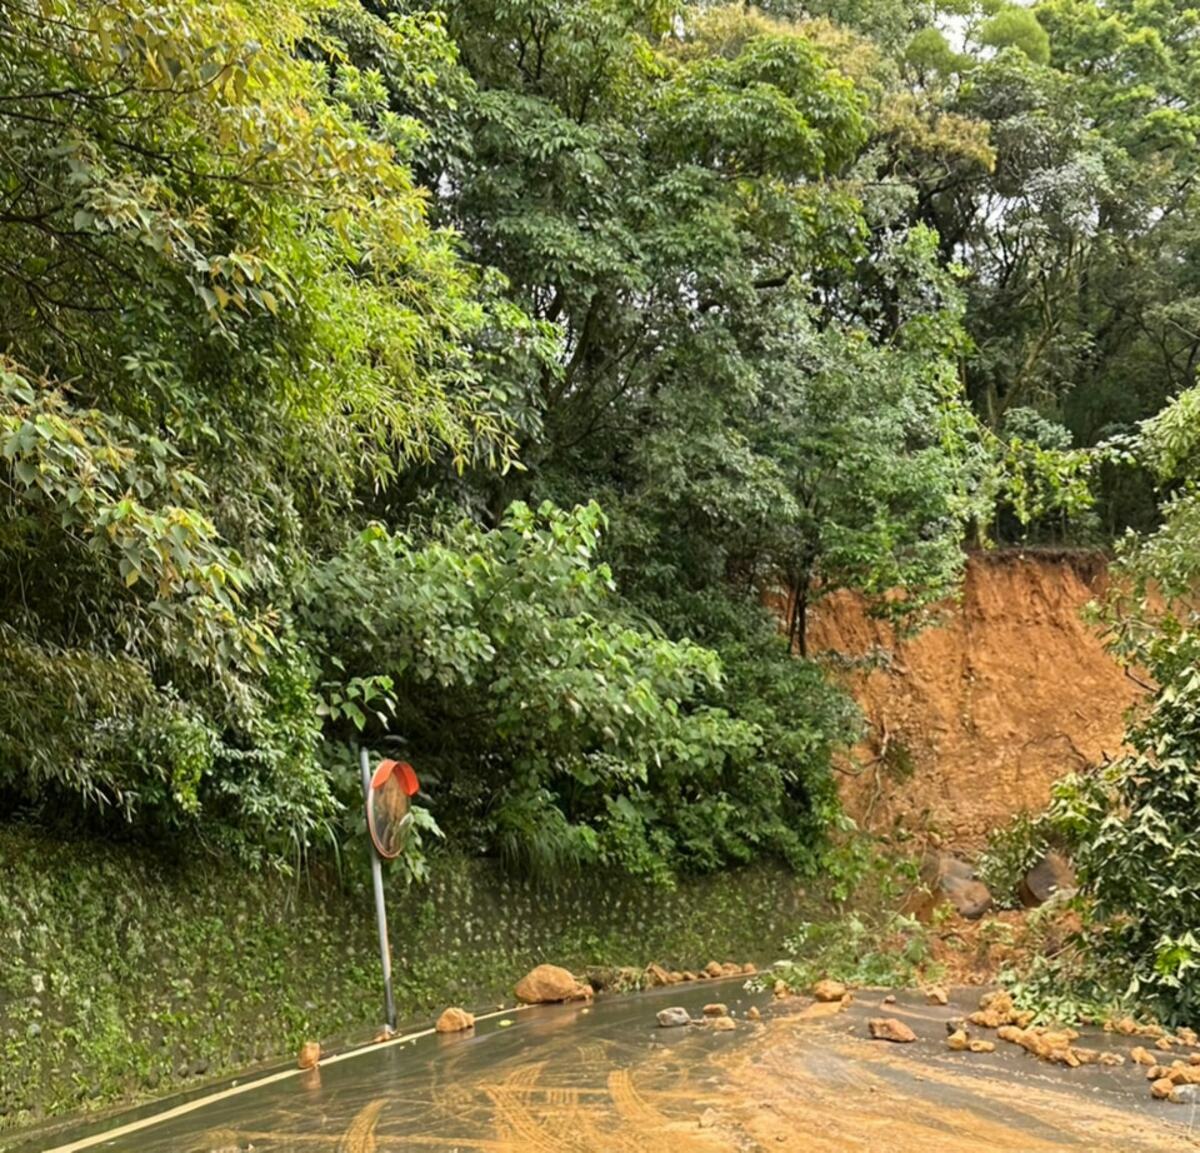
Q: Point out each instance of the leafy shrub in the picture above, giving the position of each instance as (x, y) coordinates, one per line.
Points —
(1132, 823)
(553, 728)
(1012, 850)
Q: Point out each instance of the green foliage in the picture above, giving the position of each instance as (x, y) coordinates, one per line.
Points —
(554, 729)
(1132, 821)
(1014, 27)
(891, 950)
(1012, 850)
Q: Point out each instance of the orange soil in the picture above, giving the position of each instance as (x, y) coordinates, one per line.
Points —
(972, 720)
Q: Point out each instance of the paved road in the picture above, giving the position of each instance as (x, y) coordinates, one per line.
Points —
(605, 1079)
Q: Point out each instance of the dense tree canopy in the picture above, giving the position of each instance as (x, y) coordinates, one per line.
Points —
(489, 372)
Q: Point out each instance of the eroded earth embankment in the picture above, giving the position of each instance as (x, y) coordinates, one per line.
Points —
(973, 720)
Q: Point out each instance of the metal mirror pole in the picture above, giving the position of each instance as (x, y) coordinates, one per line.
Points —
(385, 953)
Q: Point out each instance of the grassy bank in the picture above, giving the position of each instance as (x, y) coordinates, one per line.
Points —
(124, 974)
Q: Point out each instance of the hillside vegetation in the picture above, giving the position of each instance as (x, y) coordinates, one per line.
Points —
(477, 372)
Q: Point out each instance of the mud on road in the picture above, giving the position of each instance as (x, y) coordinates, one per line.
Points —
(580, 1079)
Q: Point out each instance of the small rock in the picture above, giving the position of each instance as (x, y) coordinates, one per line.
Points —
(548, 984)
(382, 1034)
(1187, 1036)
(936, 995)
(713, 969)
(1163, 1043)
(1142, 1056)
(1111, 1059)
(749, 969)
(656, 975)
(1185, 1095)
(889, 1029)
(310, 1055)
(890, 999)
(829, 990)
(982, 1046)
(723, 1024)
(454, 1020)
(1161, 1089)
(674, 977)
(716, 1009)
(729, 969)
(958, 1041)
(955, 1024)
(780, 989)
(673, 1017)
(752, 1014)
(1194, 1058)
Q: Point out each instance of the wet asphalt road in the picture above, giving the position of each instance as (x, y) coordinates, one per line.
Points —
(605, 1078)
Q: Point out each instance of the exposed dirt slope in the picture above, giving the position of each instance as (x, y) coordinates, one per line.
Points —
(977, 717)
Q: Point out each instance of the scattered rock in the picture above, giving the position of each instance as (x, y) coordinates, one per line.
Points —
(1142, 1056)
(454, 1020)
(729, 969)
(716, 1009)
(673, 1017)
(890, 1029)
(1049, 1045)
(1194, 1058)
(955, 1023)
(982, 1046)
(749, 969)
(1185, 1095)
(383, 1033)
(1110, 1059)
(1161, 1089)
(1164, 1043)
(1187, 1036)
(1051, 875)
(936, 995)
(723, 1024)
(780, 989)
(656, 975)
(690, 976)
(752, 1014)
(614, 978)
(890, 999)
(958, 1041)
(550, 983)
(310, 1055)
(829, 990)
(674, 977)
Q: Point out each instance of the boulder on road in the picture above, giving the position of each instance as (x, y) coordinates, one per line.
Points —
(890, 1029)
(673, 1017)
(549, 983)
(829, 990)
(454, 1020)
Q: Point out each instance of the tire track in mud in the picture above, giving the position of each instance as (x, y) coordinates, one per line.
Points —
(360, 1137)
